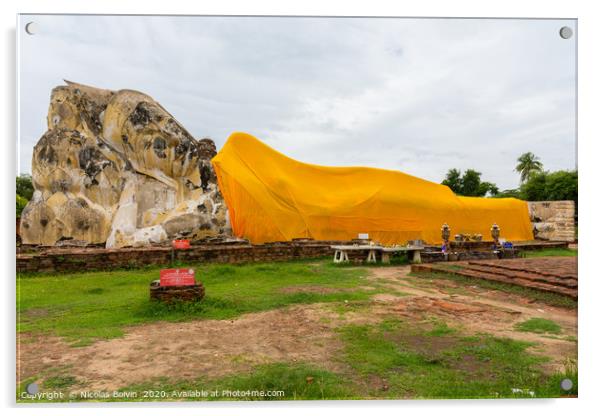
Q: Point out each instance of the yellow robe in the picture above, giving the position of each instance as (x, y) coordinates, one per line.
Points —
(272, 197)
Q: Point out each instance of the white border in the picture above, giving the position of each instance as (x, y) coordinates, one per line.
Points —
(590, 68)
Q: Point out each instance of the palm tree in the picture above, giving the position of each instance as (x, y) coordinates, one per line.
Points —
(528, 164)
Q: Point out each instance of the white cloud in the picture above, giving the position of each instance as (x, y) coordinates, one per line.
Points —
(418, 95)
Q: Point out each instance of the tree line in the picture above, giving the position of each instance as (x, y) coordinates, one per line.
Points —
(536, 184)
(24, 192)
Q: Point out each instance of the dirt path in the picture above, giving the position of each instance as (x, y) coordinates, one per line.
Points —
(478, 310)
(398, 278)
(206, 348)
(301, 333)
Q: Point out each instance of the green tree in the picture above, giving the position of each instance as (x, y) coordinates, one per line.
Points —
(534, 189)
(469, 183)
(528, 165)
(546, 186)
(24, 191)
(562, 186)
(509, 193)
(488, 187)
(21, 202)
(24, 186)
(551, 186)
(453, 180)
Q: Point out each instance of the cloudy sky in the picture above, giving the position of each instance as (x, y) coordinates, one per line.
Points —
(417, 95)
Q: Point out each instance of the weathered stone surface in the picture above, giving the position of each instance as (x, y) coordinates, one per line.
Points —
(115, 167)
(553, 220)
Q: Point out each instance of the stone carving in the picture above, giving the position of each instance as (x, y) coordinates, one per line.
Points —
(553, 220)
(115, 167)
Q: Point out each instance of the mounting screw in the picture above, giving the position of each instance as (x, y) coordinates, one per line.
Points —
(31, 28)
(566, 384)
(566, 32)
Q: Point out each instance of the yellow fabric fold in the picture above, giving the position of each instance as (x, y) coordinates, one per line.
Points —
(272, 197)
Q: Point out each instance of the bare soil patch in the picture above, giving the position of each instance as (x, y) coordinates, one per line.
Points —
(483, 311)
(321, 290)
(208, 348)
(301, 333)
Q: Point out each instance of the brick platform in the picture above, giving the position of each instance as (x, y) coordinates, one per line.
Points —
(87, 259)
(548, 274)
(70, 259)
(170, 294)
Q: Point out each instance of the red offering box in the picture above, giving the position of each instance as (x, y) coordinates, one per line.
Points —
(177, 277)
(181, 244)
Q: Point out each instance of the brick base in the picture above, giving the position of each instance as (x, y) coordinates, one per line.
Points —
(90, 259)
(176, 293)
(547, 274)
(66, 260)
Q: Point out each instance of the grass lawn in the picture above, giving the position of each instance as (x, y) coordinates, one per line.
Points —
(83, 307)
(539, 326)
(391, 359)
(405, 360)
(549, 252)
(296, 381)
(394, 359)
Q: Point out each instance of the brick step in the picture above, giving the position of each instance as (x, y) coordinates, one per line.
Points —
(422, 268)
(568, 283)
(499, 278)
(528, 268)
(518, 282)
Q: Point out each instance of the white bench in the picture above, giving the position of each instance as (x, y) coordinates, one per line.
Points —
(413, 253)
(340, 252)
(341, 256)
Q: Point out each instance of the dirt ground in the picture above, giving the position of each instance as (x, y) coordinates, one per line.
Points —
(476, 310)
(303, 333)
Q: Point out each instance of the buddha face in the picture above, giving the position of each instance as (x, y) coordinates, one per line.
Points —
(118, 164)
(150, 138)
